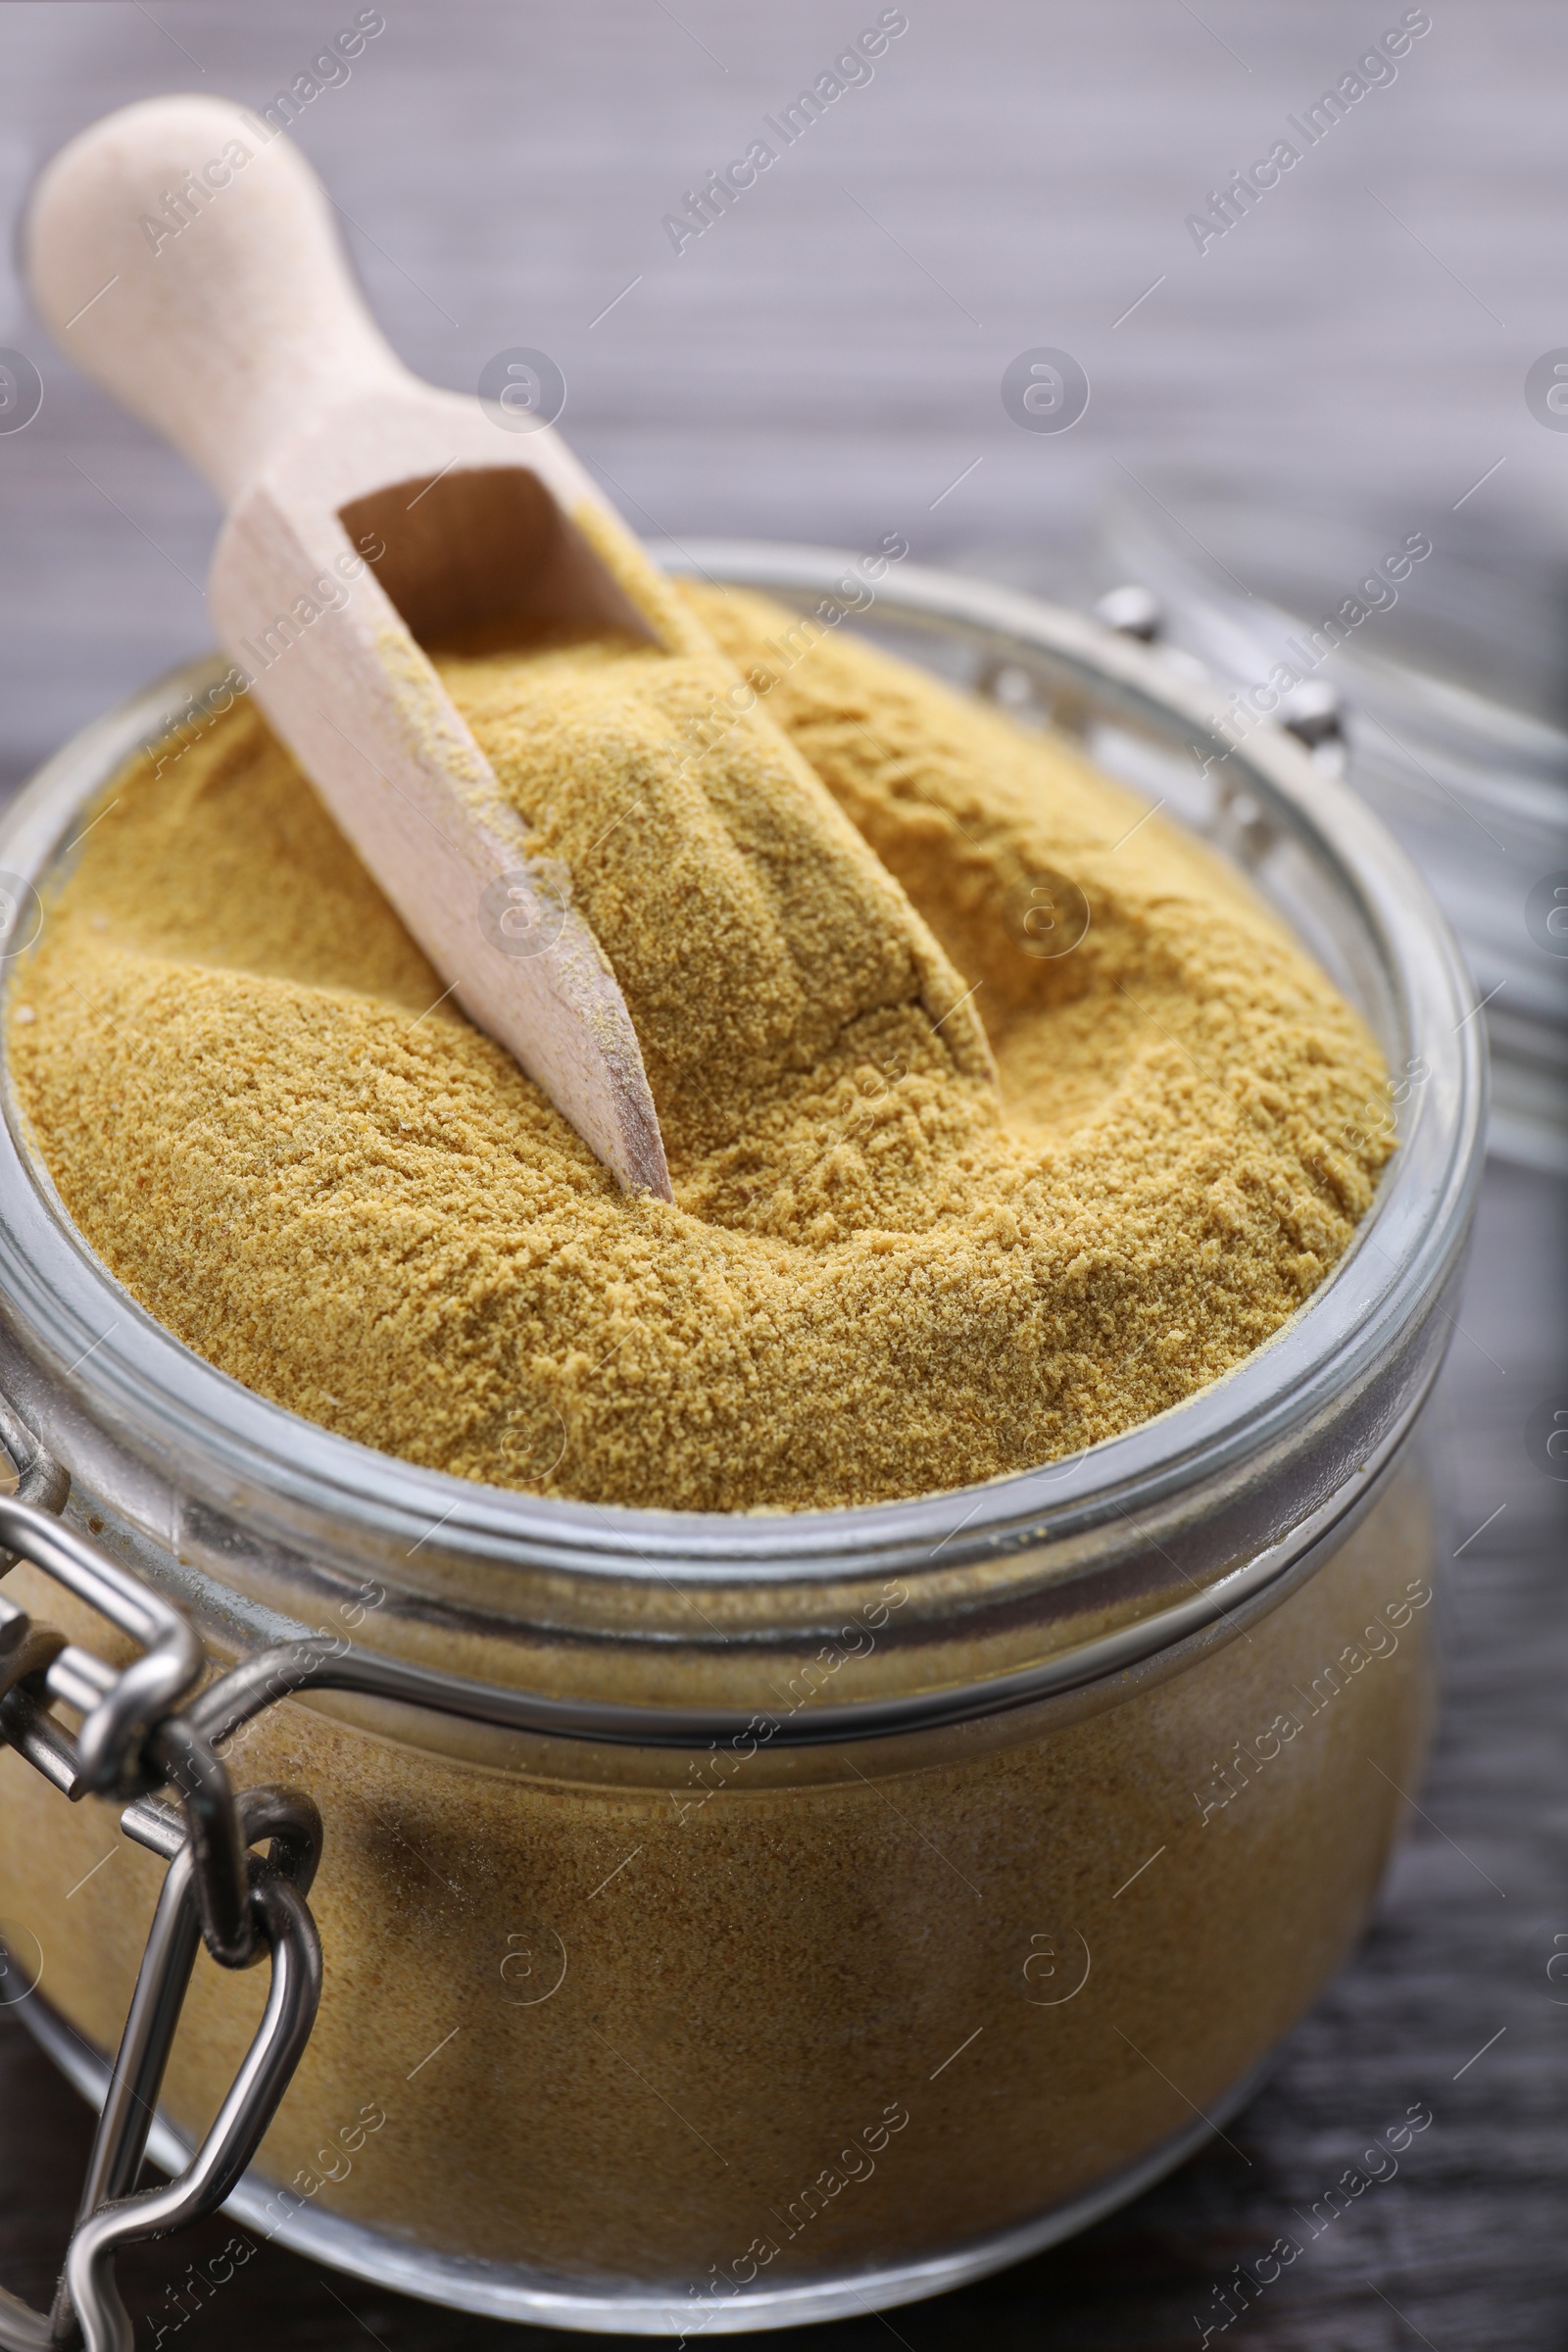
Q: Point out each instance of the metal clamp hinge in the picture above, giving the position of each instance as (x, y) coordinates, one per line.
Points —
(134, 1740)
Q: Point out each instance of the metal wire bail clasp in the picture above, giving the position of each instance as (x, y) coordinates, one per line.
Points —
(118, 1708)
(131, 1742)
(109, 2216)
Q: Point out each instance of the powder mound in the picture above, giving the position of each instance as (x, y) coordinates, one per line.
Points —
(267, 1124)
(747, 924)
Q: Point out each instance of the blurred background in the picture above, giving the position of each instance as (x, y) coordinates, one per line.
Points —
(1285, 381)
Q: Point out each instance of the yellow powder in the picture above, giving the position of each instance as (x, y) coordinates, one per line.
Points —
(748, 1981)
(750, 926)
(870, 1283)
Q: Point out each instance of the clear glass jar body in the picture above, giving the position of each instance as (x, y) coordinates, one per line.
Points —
(1060, 1798)
(698, 2027)
(1453, 724)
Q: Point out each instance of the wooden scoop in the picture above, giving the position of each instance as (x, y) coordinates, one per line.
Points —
(183, 253)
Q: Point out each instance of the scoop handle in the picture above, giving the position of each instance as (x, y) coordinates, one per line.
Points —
(183, 252)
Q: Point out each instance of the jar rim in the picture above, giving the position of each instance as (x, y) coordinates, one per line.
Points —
(244, 1453)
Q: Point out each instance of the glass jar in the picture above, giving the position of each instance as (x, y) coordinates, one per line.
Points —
(1439, 652)
(1051, 1803)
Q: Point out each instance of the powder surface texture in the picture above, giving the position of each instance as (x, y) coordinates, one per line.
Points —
(878, 1278)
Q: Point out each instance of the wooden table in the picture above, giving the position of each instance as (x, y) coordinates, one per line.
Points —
(825, 362)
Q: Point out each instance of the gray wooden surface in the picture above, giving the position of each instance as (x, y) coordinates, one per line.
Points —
(823, 364)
